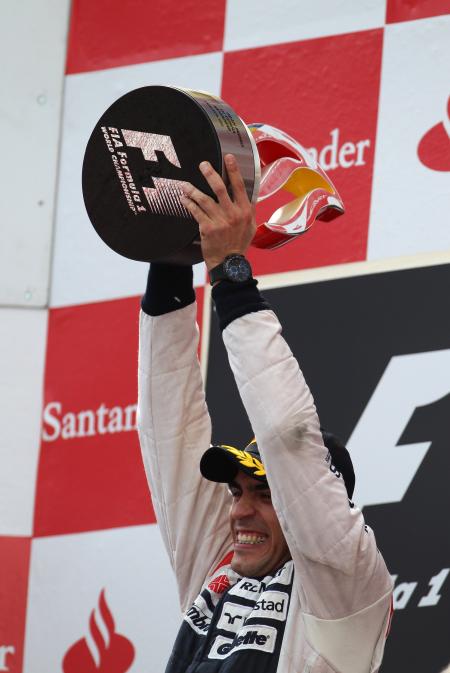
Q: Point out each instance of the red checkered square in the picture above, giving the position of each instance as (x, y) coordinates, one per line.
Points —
(15, 559)
(90, 472)
(109, 33)
(255, 24)
(324, 93)
(405, 10)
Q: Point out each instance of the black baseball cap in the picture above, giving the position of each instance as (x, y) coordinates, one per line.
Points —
(221, 463)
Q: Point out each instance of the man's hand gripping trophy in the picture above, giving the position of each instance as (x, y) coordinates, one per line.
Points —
(227, 226)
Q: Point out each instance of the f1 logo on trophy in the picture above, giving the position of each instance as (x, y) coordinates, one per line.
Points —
(151, 140)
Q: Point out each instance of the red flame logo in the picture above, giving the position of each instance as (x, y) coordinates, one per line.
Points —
(434, 147)
(104, 650)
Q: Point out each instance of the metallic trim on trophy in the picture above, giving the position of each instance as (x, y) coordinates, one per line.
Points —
(234, 138)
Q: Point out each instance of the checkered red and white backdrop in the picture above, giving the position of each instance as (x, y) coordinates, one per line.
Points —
(363, 83)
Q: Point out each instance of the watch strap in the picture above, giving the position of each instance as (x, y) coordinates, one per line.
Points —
(216, 274)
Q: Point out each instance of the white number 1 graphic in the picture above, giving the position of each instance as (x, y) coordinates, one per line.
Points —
(384, 470)
(164, 197)
(149, 143)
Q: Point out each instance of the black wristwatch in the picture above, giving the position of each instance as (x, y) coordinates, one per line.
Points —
(234, 267)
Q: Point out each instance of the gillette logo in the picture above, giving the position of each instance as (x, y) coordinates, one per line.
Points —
(261, 638)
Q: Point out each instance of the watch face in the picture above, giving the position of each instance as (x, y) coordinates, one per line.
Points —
(237, 269)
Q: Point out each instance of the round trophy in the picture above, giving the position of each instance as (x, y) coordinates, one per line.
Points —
(150, 142)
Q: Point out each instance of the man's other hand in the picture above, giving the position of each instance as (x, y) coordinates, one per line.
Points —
(228, 225)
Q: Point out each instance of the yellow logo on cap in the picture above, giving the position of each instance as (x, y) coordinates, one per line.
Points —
(247, 460)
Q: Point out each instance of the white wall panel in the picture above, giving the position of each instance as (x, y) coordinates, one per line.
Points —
(254, 23)
(84, 268)
(67, 575)
(32, 56)
(22, 355)
(410, 201)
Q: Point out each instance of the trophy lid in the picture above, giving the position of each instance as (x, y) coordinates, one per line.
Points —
(140, 152)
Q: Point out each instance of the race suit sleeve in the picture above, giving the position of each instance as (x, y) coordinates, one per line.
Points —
(343, 584)
(175, 429)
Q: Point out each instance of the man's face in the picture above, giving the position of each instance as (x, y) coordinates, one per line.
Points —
(259, 544)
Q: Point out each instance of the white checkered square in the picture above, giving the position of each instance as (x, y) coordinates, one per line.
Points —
(254, 23)
(410, 200)
(122, 579)
(22, 355)
(84, 268)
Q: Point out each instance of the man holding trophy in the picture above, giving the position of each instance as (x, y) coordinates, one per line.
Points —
(281, 575)
(276, 569)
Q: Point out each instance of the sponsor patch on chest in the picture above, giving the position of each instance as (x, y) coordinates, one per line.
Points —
(261, 638)
(249, 589)
(271, 605)
(233, 616)
(199, 616)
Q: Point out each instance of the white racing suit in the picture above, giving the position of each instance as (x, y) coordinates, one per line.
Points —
(328, 609)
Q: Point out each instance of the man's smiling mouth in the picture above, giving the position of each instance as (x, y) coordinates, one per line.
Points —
(244, 537)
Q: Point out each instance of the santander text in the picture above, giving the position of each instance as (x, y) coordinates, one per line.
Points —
(86, 423)
(345, 155)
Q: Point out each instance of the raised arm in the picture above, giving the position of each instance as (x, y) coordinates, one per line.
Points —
(342, 581)
(343, 584)
(175, 429)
